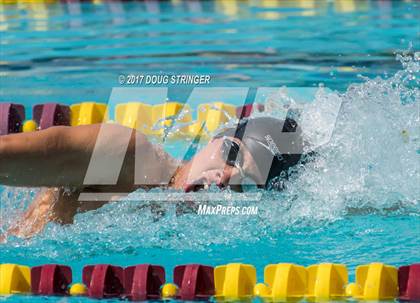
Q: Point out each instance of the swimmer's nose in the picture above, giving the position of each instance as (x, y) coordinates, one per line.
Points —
(224, 177)
(216, 178)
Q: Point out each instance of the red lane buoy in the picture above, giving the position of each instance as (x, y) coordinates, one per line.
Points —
(51, 114)
(11, 118)
(245, 111)
(50, 279)
(195, 281)
(103, 280)
(143, 281)
(409, 282)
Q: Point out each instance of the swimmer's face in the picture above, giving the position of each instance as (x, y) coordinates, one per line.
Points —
(211, 166)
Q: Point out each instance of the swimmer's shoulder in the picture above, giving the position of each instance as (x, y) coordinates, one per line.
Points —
(147, 159)
(142, 157)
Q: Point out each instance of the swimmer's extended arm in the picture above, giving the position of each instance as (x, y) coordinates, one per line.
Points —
(59, 156)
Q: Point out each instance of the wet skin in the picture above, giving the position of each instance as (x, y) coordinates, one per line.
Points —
(57, 159)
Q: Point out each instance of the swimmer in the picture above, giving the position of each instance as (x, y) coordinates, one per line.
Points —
(57, 160)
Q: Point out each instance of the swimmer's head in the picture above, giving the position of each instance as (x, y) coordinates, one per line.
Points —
(258, 152)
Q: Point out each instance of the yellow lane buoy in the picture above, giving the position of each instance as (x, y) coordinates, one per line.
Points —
(29, 126)
(169, 290)
(78, 289)
(353, 290)
(261, 290)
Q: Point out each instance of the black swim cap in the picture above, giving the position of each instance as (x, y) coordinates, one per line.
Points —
(275, 145)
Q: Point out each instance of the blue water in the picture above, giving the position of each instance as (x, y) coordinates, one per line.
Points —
(358, 202)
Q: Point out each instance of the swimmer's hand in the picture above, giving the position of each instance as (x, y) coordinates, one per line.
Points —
(39, 213)
(56, 205)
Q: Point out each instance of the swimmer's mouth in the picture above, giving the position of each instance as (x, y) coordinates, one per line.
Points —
(200, 184)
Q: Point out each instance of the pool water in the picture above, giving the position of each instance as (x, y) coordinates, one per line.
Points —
(356, 203)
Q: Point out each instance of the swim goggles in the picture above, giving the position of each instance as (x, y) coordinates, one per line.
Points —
(232, 156)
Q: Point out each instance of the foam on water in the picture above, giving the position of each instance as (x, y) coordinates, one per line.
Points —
(371, 162)
(370, 165)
